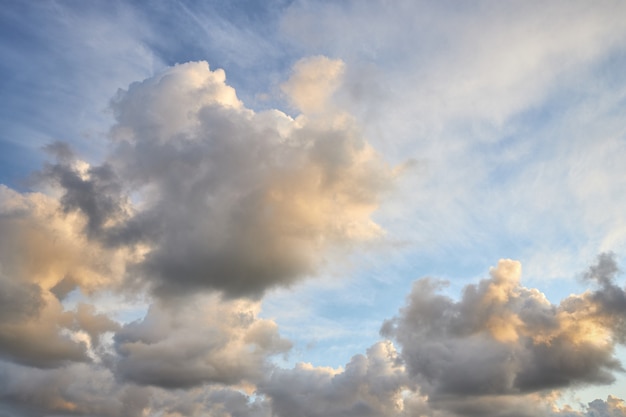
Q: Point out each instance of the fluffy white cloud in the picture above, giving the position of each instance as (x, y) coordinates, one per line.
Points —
(313, 82)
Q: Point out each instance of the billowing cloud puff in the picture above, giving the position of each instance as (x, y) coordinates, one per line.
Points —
(77, 389)
(612, 407)
(377, 384)
(204, 341)
(43, 256)
(371, 385)
(313, 82)
(504, 339)
(225, 198)
(44, 246)
(96, 192)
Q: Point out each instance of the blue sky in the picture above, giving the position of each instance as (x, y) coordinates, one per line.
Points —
(206, 206)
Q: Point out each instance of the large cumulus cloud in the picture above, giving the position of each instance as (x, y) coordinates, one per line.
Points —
(502, 339)
(224, 197)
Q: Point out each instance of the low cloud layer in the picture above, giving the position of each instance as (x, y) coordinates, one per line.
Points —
(209, 356)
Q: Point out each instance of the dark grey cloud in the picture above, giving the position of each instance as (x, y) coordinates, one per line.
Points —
(44, 255)
(75, 390)
(610, 298)
(502, 339)
(95, 192)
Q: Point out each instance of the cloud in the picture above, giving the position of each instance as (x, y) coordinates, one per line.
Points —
(44, 256)
(504, 339)
(377, 384)
(612, 407)
(77, 389)
(499, 105)
(213, 401)
(528, 405)
(312, 83)
(69, 335)
(374, 384)
(198, 193)
(487, 62)
(36, 329)
(501, 350)
(18, 301)
(202, 341)
(223, 198)
(45, 246)
(21, 339)
(96, 192)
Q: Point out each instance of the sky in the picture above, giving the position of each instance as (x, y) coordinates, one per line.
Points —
(312, 208)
